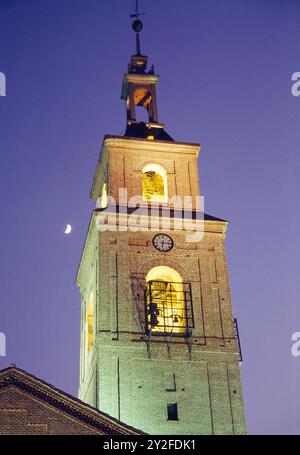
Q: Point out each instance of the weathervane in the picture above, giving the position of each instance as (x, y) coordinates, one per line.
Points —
(137, 26)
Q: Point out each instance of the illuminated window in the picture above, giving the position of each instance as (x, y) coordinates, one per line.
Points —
(154, 184)
(90, 321)
(104, 198)
(143, 104)
(142, 97)
(168, 302)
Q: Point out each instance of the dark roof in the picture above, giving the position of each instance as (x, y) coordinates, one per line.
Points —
(174, 213)
(141, 130)
(213, 218)
(84, 413)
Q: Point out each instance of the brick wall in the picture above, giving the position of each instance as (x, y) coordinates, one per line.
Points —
(128, 367)
(20, 413)
(130, 377)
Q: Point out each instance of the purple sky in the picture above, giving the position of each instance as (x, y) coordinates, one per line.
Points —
(225, 70)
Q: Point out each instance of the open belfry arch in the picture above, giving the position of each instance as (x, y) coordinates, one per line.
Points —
(159, 347)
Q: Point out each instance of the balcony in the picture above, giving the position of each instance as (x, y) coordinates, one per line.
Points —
(169, 308)
(237, 336)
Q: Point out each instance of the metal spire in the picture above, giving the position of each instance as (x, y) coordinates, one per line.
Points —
(137, 13)
(137, 26)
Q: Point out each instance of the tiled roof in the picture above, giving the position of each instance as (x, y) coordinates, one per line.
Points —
(64, 402)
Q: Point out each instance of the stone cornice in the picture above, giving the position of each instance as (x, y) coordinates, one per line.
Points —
(141, 78)
(145, 144)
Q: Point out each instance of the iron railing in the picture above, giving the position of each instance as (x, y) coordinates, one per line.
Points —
(237, 336)
(169, 308)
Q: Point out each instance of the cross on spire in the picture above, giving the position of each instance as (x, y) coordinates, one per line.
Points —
(137, 26)
(137, 12)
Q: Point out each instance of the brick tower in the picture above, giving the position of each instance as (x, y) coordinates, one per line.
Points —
(159, 348)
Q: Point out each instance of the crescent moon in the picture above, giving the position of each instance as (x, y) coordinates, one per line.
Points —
(68, 229)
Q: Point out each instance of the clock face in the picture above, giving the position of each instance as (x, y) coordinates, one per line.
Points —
(163, 242)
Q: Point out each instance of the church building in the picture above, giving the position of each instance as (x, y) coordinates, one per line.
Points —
(159, 350)
(159, 346)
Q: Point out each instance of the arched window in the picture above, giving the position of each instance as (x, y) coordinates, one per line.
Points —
(166, 302)
(90, 321)
(143, 102)
(154, 184)
(102, 201)
(104, 197)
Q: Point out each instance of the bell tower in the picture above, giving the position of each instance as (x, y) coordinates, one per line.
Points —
(159, 346)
